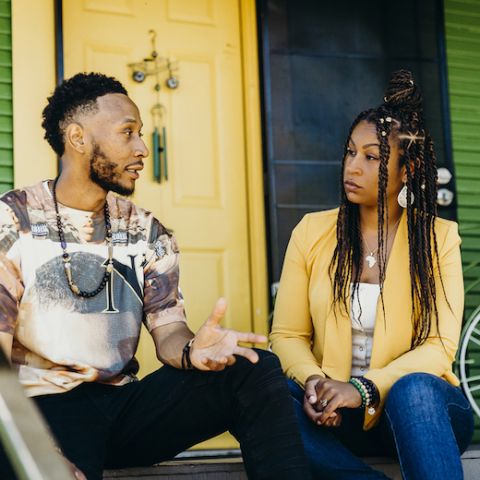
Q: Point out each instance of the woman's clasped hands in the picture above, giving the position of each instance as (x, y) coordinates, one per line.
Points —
(324, 396)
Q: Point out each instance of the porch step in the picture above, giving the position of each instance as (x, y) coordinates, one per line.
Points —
(232, 469)
(201, 469)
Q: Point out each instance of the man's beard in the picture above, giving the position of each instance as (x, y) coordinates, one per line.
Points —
(102, 172)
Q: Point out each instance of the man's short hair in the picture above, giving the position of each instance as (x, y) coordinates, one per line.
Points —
(73, 96)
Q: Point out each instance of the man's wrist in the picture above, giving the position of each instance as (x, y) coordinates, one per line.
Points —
(186, 360)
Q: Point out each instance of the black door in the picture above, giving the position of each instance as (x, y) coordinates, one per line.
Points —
(322, 63)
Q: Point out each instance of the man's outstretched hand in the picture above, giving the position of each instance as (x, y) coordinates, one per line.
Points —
(214, 347)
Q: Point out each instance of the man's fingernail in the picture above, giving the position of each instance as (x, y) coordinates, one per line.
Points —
(311, 398)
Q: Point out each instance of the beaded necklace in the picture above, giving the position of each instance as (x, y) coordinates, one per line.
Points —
(67, 261)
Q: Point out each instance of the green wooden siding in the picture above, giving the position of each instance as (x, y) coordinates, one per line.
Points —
(463, 54)
(6, 120)
(462, 18)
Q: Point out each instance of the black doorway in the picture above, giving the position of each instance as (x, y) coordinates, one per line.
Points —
(323, 63)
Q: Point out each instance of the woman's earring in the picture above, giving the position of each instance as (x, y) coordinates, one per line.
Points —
(402, 197)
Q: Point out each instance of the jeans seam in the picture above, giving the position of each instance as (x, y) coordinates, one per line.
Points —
(396, 443)
(453, 404)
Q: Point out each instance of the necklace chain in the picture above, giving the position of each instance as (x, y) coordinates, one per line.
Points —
(67, 260)
(371, 257)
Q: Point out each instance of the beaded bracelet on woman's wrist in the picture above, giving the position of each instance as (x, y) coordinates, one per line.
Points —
(360, 390)
(368, 391)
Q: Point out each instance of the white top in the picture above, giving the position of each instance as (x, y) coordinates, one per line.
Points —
(363, 312)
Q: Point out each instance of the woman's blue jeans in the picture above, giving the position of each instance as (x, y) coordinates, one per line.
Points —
(427, 424)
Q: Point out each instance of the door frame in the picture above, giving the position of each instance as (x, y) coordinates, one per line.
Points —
(254, 165)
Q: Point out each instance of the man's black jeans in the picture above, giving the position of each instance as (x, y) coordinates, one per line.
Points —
(142, 423)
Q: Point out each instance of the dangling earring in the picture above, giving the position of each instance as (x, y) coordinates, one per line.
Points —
(402, 197)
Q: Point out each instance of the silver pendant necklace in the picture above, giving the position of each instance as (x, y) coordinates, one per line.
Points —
(371, 258)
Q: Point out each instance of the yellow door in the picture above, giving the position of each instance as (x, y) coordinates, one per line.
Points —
(204, 200)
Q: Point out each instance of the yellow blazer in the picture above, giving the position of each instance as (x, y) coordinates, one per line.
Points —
(309, 339)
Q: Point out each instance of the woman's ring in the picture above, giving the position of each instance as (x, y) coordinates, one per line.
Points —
(323, 403)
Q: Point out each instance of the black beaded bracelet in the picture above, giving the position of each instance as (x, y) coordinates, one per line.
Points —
(186, 362)
(371, 389)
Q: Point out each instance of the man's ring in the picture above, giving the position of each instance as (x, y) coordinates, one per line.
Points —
(323, 403)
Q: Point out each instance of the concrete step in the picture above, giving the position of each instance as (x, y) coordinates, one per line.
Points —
(232, 469)
(206, 469)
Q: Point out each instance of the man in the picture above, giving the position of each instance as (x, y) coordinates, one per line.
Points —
(81, 269)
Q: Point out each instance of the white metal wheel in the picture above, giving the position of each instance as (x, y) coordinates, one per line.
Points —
(469, 357)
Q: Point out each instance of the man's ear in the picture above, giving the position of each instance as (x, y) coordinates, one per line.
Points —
(74, 137)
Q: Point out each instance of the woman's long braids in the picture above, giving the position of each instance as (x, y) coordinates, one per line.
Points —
(401, 117)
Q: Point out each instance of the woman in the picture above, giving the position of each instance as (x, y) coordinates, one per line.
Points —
(369, 309)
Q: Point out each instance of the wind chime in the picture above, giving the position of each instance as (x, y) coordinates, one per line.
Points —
(157, 66)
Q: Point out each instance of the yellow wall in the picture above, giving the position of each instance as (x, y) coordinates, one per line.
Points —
(33, 60)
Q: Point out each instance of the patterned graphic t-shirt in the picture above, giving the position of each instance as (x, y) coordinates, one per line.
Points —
(60, 339)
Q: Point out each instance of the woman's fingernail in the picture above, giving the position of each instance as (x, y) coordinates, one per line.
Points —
(311, 398)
